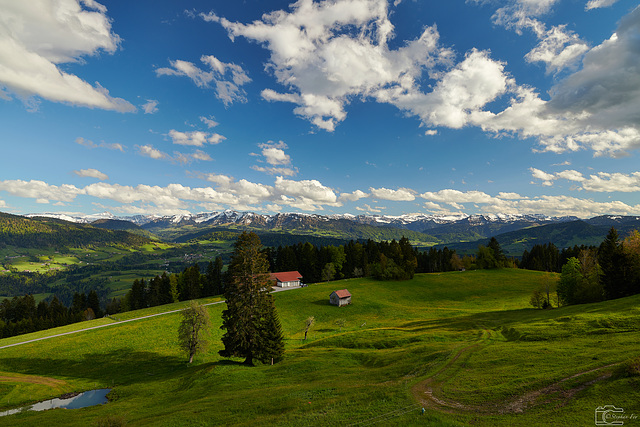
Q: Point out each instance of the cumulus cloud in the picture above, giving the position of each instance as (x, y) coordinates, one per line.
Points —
(327, 52)
(466, 89)
(353, 196)
(309, 191)
(401, 194)
(308, 195)
(600, 182)
(67, 31)
(596, 4)
(178, 157)
(225, 79)
(40, 190)
(370, 209)
(279, 162)
(90, 144)
(150, 151)
(209, 121)
(187, 158)
(545, 177)
(558, 49)
(312, 195)
(91, 173)
(150, 107)
(456, 196)
(195, 138)
(607, 89)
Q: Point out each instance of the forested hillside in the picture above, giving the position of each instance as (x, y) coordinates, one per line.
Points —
(48, 232)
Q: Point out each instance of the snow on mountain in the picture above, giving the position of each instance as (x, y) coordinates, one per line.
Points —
(413, 221)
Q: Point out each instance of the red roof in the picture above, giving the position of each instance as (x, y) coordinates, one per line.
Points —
(286, 276)
(342, 293)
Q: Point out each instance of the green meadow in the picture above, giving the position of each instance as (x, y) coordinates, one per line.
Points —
(466, 346)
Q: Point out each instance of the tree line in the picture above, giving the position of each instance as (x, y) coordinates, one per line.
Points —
(21, 315)
(167, 288)
(590, 274)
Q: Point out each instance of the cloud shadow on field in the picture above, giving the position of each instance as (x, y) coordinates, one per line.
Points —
(118, 367)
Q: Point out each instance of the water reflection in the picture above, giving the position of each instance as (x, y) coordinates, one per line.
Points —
(82, 400)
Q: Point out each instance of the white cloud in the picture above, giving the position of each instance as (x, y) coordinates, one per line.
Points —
(311, 191)
(90, 144)
(401, 194)
(328, 52)
(601, 182)
(466, 89)
(276, 156)
(510, 196)
(151, 106)
(312, 195)
(606, 91)
(558, 49)
(187, 158)
(353, 196)
(91, 173)
(369, 209)
(40, 190)
(149, 151)
(595, 4)
(545, 177)
(225, 79)
(66, 32)
(209, 121)
(195, 138)
(450, 196)
(273, 153)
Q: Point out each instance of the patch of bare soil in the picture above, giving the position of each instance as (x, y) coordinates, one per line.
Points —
(32, 379)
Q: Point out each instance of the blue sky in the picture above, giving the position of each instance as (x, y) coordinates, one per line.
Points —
(344, 106)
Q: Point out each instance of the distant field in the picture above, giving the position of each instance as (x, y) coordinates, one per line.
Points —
(463, 345)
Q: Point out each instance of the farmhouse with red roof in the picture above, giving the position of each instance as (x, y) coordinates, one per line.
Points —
(286, 279)
(340, 298)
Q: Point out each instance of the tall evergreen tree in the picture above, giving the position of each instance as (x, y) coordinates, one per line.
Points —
(250, 320)
(93, 302)
(611, 260)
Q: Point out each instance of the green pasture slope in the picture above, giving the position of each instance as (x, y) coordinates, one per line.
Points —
(463, 345)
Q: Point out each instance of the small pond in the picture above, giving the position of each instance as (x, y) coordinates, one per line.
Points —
(82, 400)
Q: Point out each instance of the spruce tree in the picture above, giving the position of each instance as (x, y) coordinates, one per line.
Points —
(250, 320)
(611, 260)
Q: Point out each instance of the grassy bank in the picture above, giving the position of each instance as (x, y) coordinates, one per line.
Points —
(463, 345)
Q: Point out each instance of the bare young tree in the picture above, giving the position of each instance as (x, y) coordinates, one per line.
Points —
(194, 329)
(308, 324)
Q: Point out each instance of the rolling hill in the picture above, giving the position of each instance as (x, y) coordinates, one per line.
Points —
(43, 232)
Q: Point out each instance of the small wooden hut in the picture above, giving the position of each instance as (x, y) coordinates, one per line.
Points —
(340, 298)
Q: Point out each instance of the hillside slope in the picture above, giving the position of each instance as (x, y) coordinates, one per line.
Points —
(40, 232)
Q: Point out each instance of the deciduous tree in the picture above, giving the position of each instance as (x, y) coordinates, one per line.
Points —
(193, 329)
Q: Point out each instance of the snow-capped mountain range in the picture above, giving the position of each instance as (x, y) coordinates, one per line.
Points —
(415, 222)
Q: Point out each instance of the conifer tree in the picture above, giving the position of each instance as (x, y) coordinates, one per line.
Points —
(252, 327)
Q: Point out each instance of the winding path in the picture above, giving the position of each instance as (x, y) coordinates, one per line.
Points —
(426, 392)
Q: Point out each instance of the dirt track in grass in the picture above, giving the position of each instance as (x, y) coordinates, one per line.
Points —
(428, 392)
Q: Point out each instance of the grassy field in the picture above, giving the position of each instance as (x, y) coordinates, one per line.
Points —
(463, 345)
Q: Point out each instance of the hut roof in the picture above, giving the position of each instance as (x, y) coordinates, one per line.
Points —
(342, 293)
